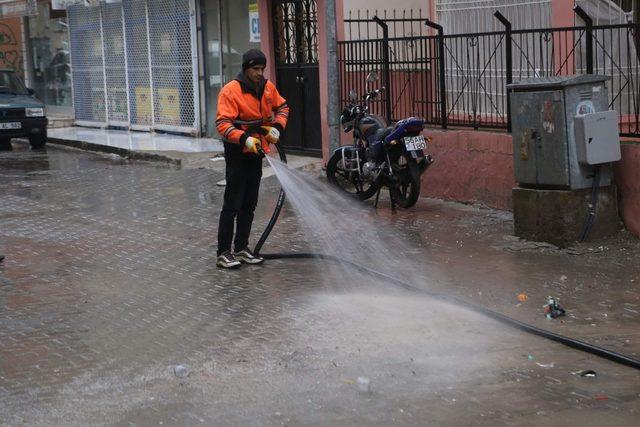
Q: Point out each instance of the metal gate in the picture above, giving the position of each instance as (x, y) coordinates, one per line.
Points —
(134, 65)
(295, 24)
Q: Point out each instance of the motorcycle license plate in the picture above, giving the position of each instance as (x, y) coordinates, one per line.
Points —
(415, 143)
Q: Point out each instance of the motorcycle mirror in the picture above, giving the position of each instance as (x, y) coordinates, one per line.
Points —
(372, 77)
(353, 96)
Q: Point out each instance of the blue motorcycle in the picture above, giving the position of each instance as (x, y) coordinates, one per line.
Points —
(381, 155)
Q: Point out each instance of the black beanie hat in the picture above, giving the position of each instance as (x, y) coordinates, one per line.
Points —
(253, 57)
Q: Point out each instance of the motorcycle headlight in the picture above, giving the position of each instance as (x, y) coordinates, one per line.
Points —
(34, 112)
(346, 121)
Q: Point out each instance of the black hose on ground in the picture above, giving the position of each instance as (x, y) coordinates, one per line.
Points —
(570, 342)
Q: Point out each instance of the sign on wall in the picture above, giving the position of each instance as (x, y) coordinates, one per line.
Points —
(254, 23)
(143, 104)
(168, 106)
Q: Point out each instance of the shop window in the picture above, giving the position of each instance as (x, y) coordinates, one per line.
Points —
(50, 73)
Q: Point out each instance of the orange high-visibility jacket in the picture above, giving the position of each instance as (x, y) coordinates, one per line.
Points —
(241, 112)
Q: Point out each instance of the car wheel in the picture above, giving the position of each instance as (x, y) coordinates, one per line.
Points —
(38, 141)
(5, 144)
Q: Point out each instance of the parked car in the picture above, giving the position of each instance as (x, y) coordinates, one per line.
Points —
(22, 115)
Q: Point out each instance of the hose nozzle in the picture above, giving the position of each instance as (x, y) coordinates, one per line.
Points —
(261, 152)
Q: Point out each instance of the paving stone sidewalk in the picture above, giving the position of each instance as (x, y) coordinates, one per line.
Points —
(110, 282)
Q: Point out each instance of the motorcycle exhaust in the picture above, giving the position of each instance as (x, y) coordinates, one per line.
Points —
(425, 162)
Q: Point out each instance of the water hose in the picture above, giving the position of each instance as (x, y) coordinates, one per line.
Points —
(502, 318)
(276, 211)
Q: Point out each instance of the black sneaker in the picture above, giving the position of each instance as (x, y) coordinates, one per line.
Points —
(248, 257)
(227, 260)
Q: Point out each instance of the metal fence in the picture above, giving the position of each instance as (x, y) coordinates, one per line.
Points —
(134, 65)
(359, 25)
(460, 80)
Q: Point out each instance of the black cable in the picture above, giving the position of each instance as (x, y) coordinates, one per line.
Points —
(570, 342)
(591, 216)
(567, 341)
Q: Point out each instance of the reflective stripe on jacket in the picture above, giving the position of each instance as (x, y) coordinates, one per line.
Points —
(241, 111)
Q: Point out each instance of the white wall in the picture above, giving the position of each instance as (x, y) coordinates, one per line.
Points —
(381, 5)
(366, 9)
(470, 16)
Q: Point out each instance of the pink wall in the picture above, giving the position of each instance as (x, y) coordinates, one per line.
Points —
(627, 174)
(562, 13)
(266, 37)
(324, 86)
(471, 167)
(322, 55)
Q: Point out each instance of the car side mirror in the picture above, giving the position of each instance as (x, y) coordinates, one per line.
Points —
(31, 92)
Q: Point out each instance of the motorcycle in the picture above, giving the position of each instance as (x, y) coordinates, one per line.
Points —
(381, 155)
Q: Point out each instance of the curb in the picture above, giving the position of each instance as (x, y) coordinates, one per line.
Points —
(123, 152)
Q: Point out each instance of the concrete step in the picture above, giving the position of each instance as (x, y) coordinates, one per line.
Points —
(56, 122)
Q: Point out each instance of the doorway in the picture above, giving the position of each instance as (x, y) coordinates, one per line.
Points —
(295, 26)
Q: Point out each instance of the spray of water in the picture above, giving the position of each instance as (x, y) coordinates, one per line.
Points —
(339, 225)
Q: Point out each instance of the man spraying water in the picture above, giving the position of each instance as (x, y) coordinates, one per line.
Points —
(251, 115)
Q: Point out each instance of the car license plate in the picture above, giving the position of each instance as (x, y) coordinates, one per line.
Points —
(11, 125)
(415, 143)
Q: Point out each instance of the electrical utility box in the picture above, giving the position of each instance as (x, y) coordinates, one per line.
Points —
(597, 138)
(561, 127)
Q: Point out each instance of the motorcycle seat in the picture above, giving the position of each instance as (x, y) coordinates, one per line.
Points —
(381, 134)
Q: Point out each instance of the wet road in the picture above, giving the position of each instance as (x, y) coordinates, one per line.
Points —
(110, 281)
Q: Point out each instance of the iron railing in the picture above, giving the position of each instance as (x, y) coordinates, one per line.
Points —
(461, 79)
(361, 25)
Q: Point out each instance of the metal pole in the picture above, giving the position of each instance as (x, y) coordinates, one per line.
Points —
(104, 69)
(194, 68)
(333, 107)
(441, 69)
(71, 67)
(636, 21)
(149, 57)
(386, 69)
(589, 42)
(508, 59)
(126, 63)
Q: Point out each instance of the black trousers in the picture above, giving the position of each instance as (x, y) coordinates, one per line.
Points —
(240, 199)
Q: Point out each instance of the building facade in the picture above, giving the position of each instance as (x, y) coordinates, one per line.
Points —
(152, 64)
(48, 67)
(34, 42)
(158, 65)
(13, 51)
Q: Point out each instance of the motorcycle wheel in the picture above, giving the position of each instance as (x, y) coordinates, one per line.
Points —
(348, 181)
(406, 189)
